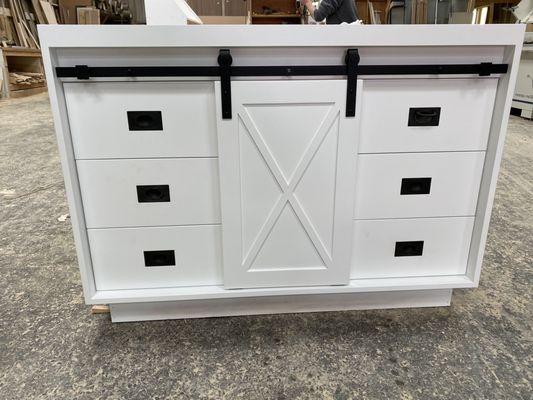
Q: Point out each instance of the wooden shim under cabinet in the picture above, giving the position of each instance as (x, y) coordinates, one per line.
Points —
(100, 309)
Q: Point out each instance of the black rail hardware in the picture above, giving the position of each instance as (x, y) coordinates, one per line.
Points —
(225, 70)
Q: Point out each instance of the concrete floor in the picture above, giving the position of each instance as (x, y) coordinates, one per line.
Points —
(52, 348)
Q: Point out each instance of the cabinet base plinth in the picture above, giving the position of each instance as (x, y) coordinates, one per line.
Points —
(129, 312)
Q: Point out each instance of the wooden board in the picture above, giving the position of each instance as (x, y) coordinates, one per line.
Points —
(48, 11)
(39, 14)
(88, 16)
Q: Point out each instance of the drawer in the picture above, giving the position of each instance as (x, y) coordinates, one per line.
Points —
(151, 192)
(411, 247)
(410, 115)
(135, 258)
(141, 119)
(417, 184)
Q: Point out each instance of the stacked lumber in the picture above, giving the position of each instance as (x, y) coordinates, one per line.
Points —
(19, 19)
(23, 71)
(26, 78)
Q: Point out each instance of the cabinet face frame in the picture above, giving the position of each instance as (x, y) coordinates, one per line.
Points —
(71, 45)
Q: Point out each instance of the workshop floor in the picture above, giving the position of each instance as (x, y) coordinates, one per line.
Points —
(52, 348)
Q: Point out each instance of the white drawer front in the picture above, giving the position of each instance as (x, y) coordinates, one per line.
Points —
(433, 184)
(464, 108)
(122, 193)
(411, 247)
(175, 256)
(166, 119)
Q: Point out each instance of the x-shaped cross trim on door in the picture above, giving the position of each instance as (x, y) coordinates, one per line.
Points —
(287, 188)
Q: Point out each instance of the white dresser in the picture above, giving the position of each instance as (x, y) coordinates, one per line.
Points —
(229, 170)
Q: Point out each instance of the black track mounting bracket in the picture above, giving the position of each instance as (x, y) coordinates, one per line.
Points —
(82, 72)
(224, 62)
(352, 62)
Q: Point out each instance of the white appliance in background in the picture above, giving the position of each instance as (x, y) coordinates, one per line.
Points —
(523, 96)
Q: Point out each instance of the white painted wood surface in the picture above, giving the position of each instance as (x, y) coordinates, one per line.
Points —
(118, 260)
(287, 169)
(137, 45)
(138, 36)
(278, 305)
(455, 179)
(109, 191)
(385, 112)
(99, 124)
(445, 250)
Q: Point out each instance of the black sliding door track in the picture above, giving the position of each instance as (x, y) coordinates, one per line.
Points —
(351, 69)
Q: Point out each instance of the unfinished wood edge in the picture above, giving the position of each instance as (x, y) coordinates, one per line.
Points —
(100, 309)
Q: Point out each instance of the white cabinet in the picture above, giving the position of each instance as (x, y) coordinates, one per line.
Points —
(212, 173)
(287, 169)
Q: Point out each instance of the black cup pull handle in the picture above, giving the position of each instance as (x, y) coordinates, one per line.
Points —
(424, 116)
(145, 120)
(153, 193)
(415, 186)
(409, 249)
(159, 258)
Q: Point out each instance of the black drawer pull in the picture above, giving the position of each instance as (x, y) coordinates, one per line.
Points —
(153, 193)
(409, 249)
(145, 121)
(415, 186)
(424, 116)
(159, 258)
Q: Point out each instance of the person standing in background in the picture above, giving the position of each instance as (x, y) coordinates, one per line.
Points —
(334, 11)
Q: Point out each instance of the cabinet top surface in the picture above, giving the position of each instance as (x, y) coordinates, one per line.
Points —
(279, 35)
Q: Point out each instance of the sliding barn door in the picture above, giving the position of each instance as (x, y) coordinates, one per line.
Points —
(287, 172)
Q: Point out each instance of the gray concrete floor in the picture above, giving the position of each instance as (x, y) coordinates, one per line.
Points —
(52, 348)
